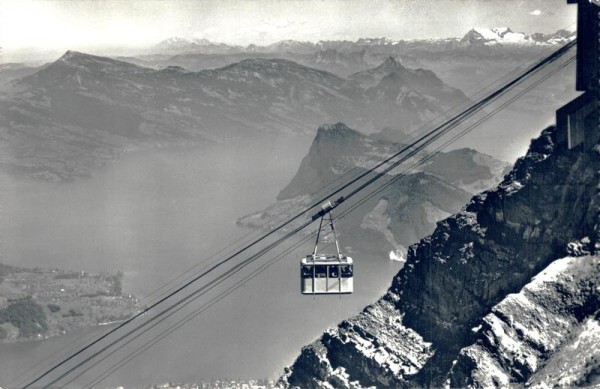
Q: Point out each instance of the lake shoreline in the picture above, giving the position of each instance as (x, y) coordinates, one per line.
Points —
(39, 304)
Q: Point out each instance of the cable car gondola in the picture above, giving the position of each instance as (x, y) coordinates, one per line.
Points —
(326, 273)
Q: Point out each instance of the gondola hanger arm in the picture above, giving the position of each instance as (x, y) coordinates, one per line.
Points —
(328, 207)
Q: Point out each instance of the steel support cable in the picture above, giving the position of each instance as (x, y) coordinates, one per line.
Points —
(171, 294)
(478, 106)
(184, 286)
(443, 131)
(174, 305)
(225, 248)
(395, 178)
(339, 177)
(188, 317)
(458, 117)
(428, 157)
(228, 249)
(80, 344)
(346, 212)
(353, 170)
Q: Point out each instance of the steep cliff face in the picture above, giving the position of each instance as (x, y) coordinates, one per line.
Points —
(548, 333)
(467, 267)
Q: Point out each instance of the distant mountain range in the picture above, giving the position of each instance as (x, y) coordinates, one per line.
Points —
(82, 110)
(340, 63)
(343, 57)
(176, 44)
(12, 71)
(489, 36)
(466, 63)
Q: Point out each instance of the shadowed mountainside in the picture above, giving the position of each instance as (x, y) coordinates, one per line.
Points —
(438, 307)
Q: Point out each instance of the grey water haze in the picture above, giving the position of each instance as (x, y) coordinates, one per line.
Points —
(153, 214)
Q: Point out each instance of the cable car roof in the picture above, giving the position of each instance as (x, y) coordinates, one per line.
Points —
(322, 259)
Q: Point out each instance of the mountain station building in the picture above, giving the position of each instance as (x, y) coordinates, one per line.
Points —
(578, 121)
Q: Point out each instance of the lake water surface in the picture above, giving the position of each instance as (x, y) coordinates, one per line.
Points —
(153, 215)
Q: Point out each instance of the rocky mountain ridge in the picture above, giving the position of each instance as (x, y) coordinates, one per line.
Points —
(450, 317)
(463, 63)
(402, 212)
(83, 110)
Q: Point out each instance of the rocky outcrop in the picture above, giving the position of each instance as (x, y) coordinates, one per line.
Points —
(468, 169)
(338, 149)
(402, 212)
(470, 264)
(373, 348)
(547, 333)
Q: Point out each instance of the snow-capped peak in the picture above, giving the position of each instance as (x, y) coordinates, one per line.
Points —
(503, 34)
(201, 42)
(174, 42)
(178, 42)
(381, 41)
(496, 35)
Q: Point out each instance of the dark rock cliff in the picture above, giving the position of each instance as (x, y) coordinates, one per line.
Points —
(549, 333)
(459, 274)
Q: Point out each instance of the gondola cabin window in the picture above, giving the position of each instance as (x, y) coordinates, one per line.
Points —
(327, 275)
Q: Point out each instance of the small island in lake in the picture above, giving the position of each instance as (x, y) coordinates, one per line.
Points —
(42, 303)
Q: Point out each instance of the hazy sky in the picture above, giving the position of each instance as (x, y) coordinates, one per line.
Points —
(87, 24)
